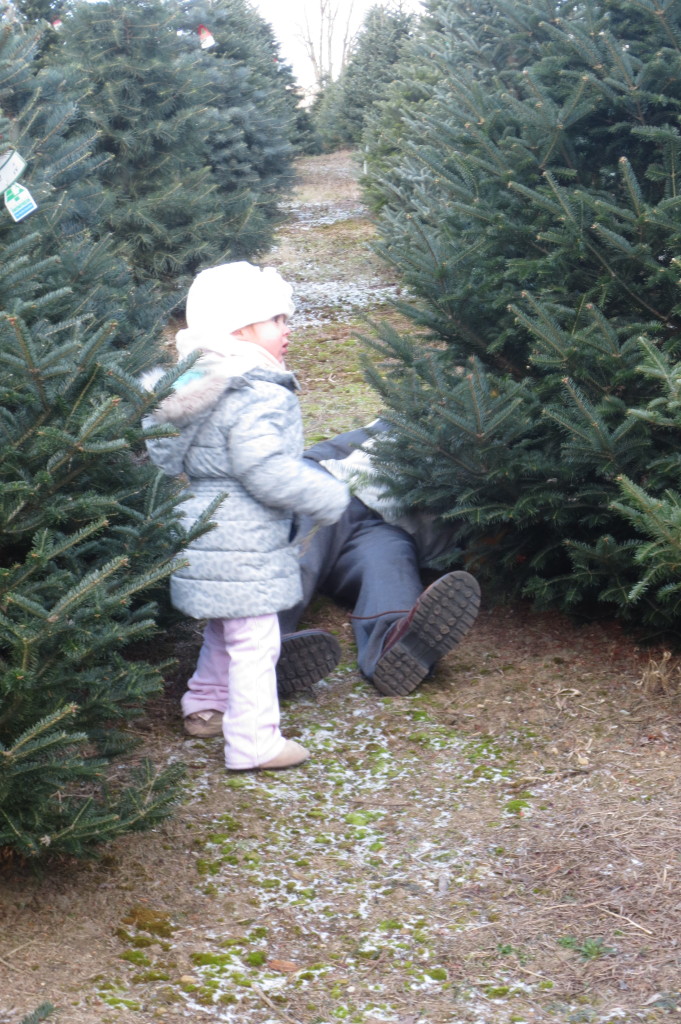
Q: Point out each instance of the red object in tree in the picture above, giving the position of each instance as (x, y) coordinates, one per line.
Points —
(206, 37)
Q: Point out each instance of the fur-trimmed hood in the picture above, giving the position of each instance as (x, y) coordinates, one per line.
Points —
(189, 408)
(199, 391)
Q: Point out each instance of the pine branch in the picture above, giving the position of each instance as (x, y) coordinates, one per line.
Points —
(42, 1012)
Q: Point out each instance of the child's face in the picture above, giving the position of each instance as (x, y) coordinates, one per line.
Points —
(272, 335)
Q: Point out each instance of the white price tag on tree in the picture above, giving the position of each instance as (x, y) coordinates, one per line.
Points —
(19, 202)
(11, 166)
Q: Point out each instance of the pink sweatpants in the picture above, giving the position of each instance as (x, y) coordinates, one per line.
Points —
(235, 674)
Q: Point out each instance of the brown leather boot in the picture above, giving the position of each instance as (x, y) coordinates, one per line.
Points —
(443, 614)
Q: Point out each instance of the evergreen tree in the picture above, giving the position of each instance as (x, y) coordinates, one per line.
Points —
(532, 206)
(306, 137)
(198, 141)
(327, 116)
(371, 67)
(87, 528)
(143, 92)
(385, 127)
(48, 131)
(345, 105)
(253, 119)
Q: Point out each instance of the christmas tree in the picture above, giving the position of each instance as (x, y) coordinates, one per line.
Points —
(531, 204)
(346, 104)
(197, 138)
(142, 92)
(87, 528)
(47, 129)
(253, 118)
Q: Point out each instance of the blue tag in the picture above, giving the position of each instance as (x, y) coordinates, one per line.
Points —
(188, 378)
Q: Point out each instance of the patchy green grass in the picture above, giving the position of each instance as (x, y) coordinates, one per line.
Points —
(335, 396)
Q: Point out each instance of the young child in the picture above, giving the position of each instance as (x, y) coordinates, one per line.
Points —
(239, 431)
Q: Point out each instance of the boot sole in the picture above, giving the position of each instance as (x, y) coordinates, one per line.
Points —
(286, 758)
(305, 658)
(263, 768)
(444, 614)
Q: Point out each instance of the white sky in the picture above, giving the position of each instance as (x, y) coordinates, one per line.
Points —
(287, 18)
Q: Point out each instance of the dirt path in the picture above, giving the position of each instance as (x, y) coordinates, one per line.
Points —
(502, 846)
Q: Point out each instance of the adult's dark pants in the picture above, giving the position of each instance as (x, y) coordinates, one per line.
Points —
(361, 562)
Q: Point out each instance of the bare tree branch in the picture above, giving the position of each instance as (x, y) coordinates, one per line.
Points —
(347, 37)
(325, 38)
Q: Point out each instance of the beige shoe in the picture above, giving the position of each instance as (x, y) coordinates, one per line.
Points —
(291, 755)
(203, 723)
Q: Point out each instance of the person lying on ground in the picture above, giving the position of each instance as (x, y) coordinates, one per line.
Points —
(369, 560)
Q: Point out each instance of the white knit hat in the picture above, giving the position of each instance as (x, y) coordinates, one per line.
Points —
(223, 299)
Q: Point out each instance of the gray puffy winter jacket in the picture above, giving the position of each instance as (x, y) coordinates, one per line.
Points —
(242, 435)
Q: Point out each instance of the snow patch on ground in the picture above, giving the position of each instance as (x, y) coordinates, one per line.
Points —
(316, 215)
(324, 302)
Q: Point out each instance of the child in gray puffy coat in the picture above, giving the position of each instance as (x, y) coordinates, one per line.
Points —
(239, 431)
